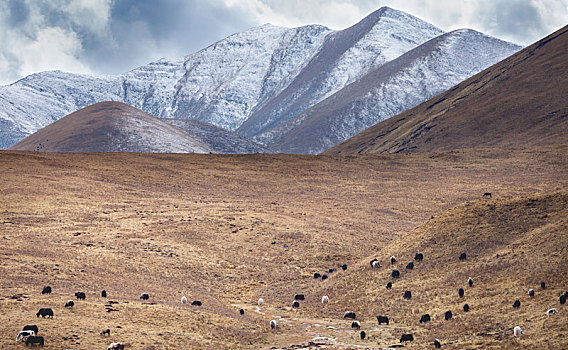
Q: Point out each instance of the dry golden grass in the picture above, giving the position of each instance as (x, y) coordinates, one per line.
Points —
(227, 230)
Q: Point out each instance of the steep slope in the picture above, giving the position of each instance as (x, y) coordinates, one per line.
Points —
(390, 89)
(344, 57)
(220, 140)
(111, 127)
(519, 101)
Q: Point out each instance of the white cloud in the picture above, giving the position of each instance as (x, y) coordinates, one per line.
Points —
(93, 15)
(53, 48)
(113, 36)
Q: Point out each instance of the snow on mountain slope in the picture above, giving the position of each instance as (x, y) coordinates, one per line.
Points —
(390, 89)
(250, 82)
(223, 82)
(345, 56)
(219, 84)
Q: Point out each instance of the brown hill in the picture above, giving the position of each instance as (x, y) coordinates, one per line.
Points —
(520, 100)
(227, 230)
(111, 127)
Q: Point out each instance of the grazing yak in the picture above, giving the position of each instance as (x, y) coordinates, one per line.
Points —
(80, 295)
(531, 293)
(406, 337)
(383, 319)
(325, 299)
(349, 314)
(437, 344)
(425, 318)
(470, 281)
(23, 335)
(116, 346)
(376, 264)
(563, 299)
(363, 335)
(461, 292)
(324, 276)
(241, 311)
(393, 260)
(551, 312)
(45, 312)
(273, 324)
(395, 274)
(316, 275)
(299, 297)
(487, 194)
(542, 285)
(410, 266)
(46, 290)
(70, 303)
(517, 331)
(105, 332)
(260, 301)
(419, 257)
(356, 325)
(389, 285)
(103, 293)
(448, 315)
(144, 296)
(331, 270)
(373, 261)
(344, 267)
(296, 304)
(407, 295)
(466, 308)
(463, 256)
(184, 300)
(32, 340)
(31, 327)
(196, 303)
(517, 304)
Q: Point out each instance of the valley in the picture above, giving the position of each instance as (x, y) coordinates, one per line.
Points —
(229, 229)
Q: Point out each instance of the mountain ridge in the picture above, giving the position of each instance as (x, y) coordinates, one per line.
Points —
(251, 82)
(515, 101)
(388, 90)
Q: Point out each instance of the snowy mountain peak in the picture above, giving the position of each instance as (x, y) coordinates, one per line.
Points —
(252, 81)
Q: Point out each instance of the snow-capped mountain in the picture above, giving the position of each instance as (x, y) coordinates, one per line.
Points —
(389, 90)
(251, 82)
(517, 102)
(344, 57)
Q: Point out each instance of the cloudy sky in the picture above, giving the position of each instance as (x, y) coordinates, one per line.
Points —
(114, 36)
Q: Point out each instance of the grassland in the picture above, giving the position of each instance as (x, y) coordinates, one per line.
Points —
(227, 230)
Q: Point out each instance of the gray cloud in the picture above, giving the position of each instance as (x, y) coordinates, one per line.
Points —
(114, 36)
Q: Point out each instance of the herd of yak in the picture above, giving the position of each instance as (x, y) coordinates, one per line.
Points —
(29, 334)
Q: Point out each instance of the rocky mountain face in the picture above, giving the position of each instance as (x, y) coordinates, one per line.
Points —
(251, 82)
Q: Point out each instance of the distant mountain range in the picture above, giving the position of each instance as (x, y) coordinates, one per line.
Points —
(298, 90)
(118, 127)
(520, 101)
